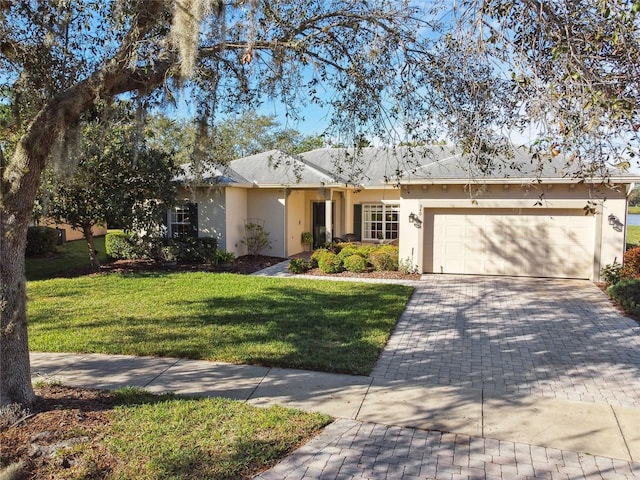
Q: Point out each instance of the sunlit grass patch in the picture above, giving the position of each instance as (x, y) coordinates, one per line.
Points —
(298, 323)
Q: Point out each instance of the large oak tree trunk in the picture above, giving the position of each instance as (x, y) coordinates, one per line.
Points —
(15, 370)
(20, 180)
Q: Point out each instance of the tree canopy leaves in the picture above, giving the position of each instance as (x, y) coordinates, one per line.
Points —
(395, 71)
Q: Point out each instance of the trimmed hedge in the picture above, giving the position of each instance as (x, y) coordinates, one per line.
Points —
(41, 241)
(355, 263)
(298, 265)
(316, 255)
(384, 258)
(119, 246)
(197, 250)
(627, 294)
(350, 250)
(330, 263)
(131, 247)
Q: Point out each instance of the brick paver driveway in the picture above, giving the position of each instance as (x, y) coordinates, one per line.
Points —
(510, 337)
(558, 338)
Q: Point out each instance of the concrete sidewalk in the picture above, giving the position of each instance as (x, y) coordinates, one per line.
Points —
(592, 434)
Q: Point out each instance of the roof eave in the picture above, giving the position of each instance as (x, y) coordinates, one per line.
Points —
(518, 181)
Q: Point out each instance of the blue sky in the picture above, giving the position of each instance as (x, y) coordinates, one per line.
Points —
(315, 120)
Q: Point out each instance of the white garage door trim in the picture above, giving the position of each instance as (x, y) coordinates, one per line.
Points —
(556, 243)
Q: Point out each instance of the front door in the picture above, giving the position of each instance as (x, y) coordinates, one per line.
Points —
(319, 223)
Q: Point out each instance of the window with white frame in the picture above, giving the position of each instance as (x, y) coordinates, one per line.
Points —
(179, 221)
(380, 222)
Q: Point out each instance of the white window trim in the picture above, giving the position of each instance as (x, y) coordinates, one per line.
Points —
(384, 209)
(172, 218)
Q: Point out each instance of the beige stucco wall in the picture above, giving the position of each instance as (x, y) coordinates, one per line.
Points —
(236, 201)
(390, 194)
(297, 213)
(211, 211)
(71, 233)
(609, 242)
(267, 206)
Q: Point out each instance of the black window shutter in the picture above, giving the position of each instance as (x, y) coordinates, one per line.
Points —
(193, 220)
(357, 221)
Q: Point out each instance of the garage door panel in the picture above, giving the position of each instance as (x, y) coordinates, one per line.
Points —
(549, 244)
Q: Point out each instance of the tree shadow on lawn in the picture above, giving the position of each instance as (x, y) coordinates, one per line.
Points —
(286, 326)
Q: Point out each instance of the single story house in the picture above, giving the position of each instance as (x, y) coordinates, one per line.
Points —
(516, 216)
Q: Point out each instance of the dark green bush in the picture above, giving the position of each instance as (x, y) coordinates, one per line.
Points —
(197, 250)
(627, 294)
(129, 246)
(384, 258)
(330, 263)
(355, 263)
(298, 265)
(612, 273)
(41, 241)
(118, 245)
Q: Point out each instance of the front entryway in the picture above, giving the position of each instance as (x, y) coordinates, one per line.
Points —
(319, 214)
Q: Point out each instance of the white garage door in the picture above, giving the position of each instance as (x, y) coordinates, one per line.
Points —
(522, 242)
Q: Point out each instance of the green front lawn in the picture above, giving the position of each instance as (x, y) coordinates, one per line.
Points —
(131, 434)
(70, 257)
(633, 235)
(170, 437)
(299, 323)
(634, 209)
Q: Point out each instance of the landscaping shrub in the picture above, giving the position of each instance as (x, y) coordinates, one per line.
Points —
(316, 256)
(384, 258)
(169, 253)
(405, 266)
(612, 273)
(41, 241)
(365, 250)
(330, 263)
(348, 250)
(627, 294)
(337, 247)
(631, 263)
(197, 249)
(298, 265)
(256, 238)
(118, 245)
(355, 263)
(222, 257)
(129, 246)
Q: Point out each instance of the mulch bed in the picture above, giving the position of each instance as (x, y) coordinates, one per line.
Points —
(244, 265)
(42, 440)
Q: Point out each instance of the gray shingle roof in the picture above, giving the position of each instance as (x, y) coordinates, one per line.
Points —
(377, 166)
